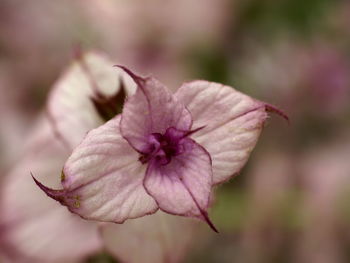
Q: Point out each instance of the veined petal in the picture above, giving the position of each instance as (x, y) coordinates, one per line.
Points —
(103, 178)
(156, 238)
(152, 109)
(34, 228)
(70, 106)
(183, 186)
(233, 122)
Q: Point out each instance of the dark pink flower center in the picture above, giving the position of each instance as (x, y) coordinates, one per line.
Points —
(163, 147)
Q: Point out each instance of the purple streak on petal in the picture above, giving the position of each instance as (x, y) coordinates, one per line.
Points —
(182, 186)
(57, 195)
(247, 112)
(203, 213)
(271, 108)
(233, 123)
(189, 133)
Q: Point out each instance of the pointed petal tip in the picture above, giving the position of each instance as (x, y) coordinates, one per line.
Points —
(138, 79)
(209, 222)
(273, 109)
(57, 195)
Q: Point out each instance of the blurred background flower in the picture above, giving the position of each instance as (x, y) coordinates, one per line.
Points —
(290, 202)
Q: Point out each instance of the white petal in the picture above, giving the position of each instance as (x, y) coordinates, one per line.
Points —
(69, 103)
(232, 120)
(33, 227)
(183, 186)
(103, 178)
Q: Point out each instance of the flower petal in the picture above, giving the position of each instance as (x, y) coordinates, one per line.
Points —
(157, 238)
(103, 178)
(183, 186)
(152, 109)
(34, 228)
(72, 93)
(233, 122)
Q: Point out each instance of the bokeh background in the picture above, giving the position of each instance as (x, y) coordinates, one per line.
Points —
(291, 201)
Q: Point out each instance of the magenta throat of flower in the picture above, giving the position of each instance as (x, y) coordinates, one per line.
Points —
(161, 148)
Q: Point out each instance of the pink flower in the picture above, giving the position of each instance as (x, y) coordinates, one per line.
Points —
(165, 151)
(34, 228)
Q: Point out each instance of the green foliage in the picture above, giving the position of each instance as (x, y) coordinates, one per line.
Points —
(210, 63)
(298, 16)
(230, 209)
(101, 258)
